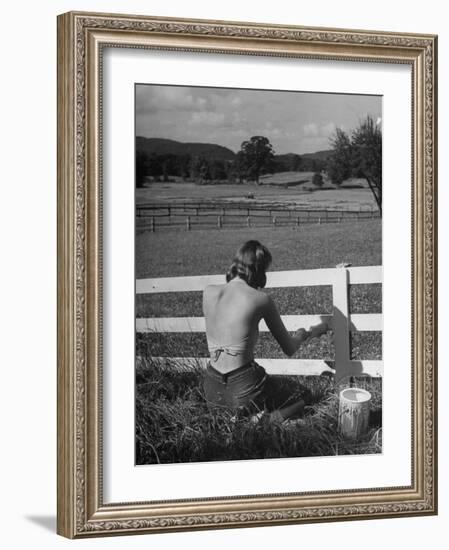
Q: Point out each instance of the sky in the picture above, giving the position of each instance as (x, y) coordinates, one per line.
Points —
(294, 122)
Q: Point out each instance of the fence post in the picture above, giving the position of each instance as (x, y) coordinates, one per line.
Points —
(341, 321)
(248, 221)
(274, 220)
(188, 223)
(152, 224)
(219, 222)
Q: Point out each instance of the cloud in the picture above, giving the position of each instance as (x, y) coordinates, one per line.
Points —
(207, 118)
(327, 129)
(318, 130)
(236, 101)
(310, 130)
(153, 99)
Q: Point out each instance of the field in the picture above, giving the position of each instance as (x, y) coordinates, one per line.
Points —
(173, 423)
(294, 188)
(305, 247)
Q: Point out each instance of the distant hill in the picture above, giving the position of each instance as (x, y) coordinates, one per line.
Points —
(308, 162)
(160, 146)
(319, 155)
(287, 157)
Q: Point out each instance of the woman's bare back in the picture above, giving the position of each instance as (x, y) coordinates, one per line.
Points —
(232, 313)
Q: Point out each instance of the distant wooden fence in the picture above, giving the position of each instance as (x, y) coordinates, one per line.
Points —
(342, 322)
(219, 215)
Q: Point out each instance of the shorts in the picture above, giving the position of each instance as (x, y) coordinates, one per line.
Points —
(248, 386)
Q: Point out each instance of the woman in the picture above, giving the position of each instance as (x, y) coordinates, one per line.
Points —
(233, 312)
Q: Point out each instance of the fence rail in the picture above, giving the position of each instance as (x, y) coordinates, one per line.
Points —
(341, 321)
(219, 215)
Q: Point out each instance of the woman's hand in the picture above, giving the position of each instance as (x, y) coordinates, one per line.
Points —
(301, 335)
(318, 330)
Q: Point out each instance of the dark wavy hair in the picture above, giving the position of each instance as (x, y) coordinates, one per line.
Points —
(250, 263)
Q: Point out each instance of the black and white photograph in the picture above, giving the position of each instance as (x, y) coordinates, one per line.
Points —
(258, 267)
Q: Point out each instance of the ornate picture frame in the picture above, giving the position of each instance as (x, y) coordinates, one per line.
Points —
(82, 39)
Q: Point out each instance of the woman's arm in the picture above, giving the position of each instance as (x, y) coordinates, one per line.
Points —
(289, 344)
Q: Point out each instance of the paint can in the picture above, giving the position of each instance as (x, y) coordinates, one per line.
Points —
(353, 412)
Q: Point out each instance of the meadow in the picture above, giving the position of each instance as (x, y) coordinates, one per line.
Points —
(294, 188)
(173, 423)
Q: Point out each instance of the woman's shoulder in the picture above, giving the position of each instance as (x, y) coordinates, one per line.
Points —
(264, 298)
(213, 287)
(258, 296)
(211, 290)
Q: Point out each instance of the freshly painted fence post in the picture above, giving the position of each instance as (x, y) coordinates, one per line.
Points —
(341, 321)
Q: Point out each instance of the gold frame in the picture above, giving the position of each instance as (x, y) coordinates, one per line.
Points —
(81, 37)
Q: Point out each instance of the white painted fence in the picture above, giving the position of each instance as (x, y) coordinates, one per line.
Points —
(341, 321)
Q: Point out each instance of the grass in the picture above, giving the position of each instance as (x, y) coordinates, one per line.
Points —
(174, 423)
(203, 252)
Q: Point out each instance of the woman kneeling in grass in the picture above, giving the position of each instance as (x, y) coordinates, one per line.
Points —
(233, 312)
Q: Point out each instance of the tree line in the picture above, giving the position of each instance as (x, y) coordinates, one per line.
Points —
(256, 157)
(353, 154)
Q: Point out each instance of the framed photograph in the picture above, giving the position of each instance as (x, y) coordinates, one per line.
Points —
(246, 274)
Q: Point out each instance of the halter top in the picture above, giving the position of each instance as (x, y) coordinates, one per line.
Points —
(234, 349)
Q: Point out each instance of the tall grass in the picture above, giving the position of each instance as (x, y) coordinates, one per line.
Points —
(174, 423)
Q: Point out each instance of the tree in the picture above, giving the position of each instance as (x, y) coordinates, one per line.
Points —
(218, 170)
(367, 156)
(239, 167)
(358, 156)
(339, 166)
(257, 154)
(318, 179)
(142, 167)
(194, 167)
